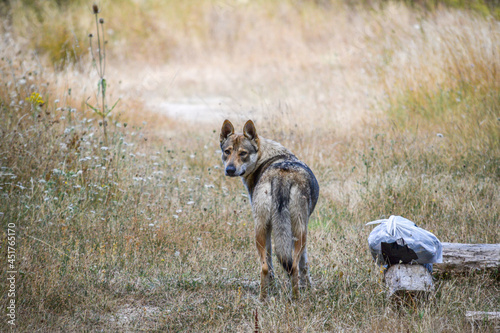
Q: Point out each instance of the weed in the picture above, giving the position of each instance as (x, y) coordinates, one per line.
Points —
(100, 64)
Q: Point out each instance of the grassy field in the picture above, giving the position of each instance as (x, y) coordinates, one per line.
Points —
(396, 109)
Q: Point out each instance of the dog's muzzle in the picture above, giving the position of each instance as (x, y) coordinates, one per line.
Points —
(231, 171)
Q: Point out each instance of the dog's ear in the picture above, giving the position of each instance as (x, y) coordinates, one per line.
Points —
(227, 130)
(249, 130)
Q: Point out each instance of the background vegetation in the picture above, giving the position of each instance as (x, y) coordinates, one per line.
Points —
(393, 105)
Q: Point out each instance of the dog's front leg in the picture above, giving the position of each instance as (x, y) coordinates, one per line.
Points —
(260, 240)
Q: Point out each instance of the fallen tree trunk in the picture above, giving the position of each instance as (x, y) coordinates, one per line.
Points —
(456, 257)
(481, 319)
(482, 315)
(462, 257)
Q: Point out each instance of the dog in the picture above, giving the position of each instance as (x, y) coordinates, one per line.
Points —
(283, 193)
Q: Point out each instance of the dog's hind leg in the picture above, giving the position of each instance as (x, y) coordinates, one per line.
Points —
(305, 278)
(298, 250)
(269, 252)
(260, 240)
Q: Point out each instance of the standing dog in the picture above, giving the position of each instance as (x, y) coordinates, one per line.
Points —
(283, 193)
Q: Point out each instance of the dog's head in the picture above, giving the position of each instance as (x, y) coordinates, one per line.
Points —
(239, 151)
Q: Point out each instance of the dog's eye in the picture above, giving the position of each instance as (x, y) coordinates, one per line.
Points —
(227, 152)
(243, 153)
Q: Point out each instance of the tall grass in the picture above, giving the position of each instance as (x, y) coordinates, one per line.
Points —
(395, 111)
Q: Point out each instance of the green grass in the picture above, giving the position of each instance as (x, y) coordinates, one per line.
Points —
(146, 233)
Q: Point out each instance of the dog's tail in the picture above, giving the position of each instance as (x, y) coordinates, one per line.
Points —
(281, 223)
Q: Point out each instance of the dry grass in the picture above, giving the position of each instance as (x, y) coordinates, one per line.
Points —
(147, 234)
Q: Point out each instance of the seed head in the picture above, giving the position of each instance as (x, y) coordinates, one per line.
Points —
(91, 35)
(101, 20)
(95, 8)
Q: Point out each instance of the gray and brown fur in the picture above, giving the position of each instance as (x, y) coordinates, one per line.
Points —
(283, 193)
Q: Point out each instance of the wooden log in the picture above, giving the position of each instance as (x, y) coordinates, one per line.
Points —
(402, 278)
(413, 278)
(482, 315)
(478, 318)
(462, 257)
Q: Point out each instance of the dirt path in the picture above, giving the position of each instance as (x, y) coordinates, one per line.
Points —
(323, 93)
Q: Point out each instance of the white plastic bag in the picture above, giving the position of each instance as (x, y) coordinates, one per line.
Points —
(397, 229)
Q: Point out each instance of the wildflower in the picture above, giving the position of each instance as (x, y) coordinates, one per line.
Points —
(36, 99)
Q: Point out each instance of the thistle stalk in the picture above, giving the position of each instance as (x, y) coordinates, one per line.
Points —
(101, 107)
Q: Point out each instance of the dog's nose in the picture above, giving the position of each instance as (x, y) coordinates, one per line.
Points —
(230, 170)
